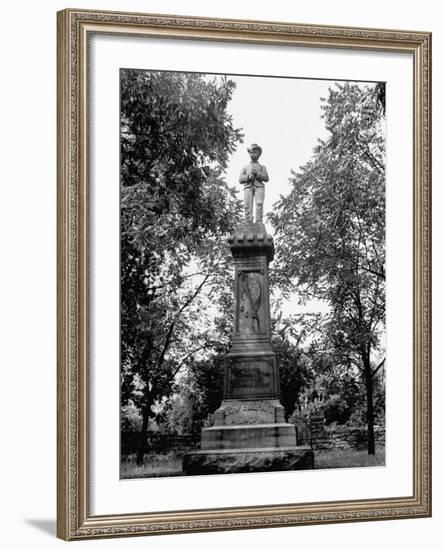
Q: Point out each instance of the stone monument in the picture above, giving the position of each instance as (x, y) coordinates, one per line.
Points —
(249, 432)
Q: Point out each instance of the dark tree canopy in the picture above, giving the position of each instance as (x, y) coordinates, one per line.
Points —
(176, 136)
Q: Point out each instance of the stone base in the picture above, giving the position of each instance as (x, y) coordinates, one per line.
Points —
(254, 411)
(248, 460)
(245, 436)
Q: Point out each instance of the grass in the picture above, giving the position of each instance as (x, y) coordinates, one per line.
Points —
(154, 465)
(170, 464)
(349, 458)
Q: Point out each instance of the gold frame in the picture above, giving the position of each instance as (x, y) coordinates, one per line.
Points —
(74, 520)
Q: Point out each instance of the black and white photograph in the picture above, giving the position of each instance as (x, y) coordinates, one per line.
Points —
(252, 273)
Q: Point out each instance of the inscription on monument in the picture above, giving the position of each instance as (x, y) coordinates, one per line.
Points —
(250, 378)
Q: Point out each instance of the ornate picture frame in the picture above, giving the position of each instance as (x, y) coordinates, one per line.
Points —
(74, 517)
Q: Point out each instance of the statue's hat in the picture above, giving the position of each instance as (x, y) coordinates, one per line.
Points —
(255, 146)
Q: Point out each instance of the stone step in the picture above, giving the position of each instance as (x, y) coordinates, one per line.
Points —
(248, 436)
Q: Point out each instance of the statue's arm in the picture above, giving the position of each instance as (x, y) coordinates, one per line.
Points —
(243, 176)
(264, 175)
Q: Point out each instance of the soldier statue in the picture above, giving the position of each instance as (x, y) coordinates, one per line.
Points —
(253, 176)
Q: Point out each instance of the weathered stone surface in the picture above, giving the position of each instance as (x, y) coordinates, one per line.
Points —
(248, 460)
(264, 411)
(249, 432)
(251, 377)
(250, 239)
(248, 436)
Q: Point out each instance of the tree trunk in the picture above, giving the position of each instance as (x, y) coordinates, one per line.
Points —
(369, 405)
(143, 435)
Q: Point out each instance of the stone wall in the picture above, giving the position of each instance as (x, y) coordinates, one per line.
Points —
(322, 437)
(159, 442)
(316, 434)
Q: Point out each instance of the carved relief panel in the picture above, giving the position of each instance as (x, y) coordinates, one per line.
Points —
(251, 298)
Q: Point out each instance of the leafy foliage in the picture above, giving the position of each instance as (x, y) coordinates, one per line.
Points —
(288, 339)
(197, 395)
(176, 137)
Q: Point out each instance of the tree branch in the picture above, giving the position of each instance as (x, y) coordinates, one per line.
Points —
(377, 368)
(174, 322)
(366, 151)
(190, 354)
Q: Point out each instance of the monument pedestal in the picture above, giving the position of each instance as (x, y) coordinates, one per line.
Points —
(271, 459)
(249, 432)
(248, 436)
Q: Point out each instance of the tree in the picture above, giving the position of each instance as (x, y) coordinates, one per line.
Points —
(288, 339)
(331, 231)
(176, 137)
(199, 395)
(332, 389)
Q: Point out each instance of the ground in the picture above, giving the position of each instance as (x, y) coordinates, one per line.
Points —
(170, 464)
